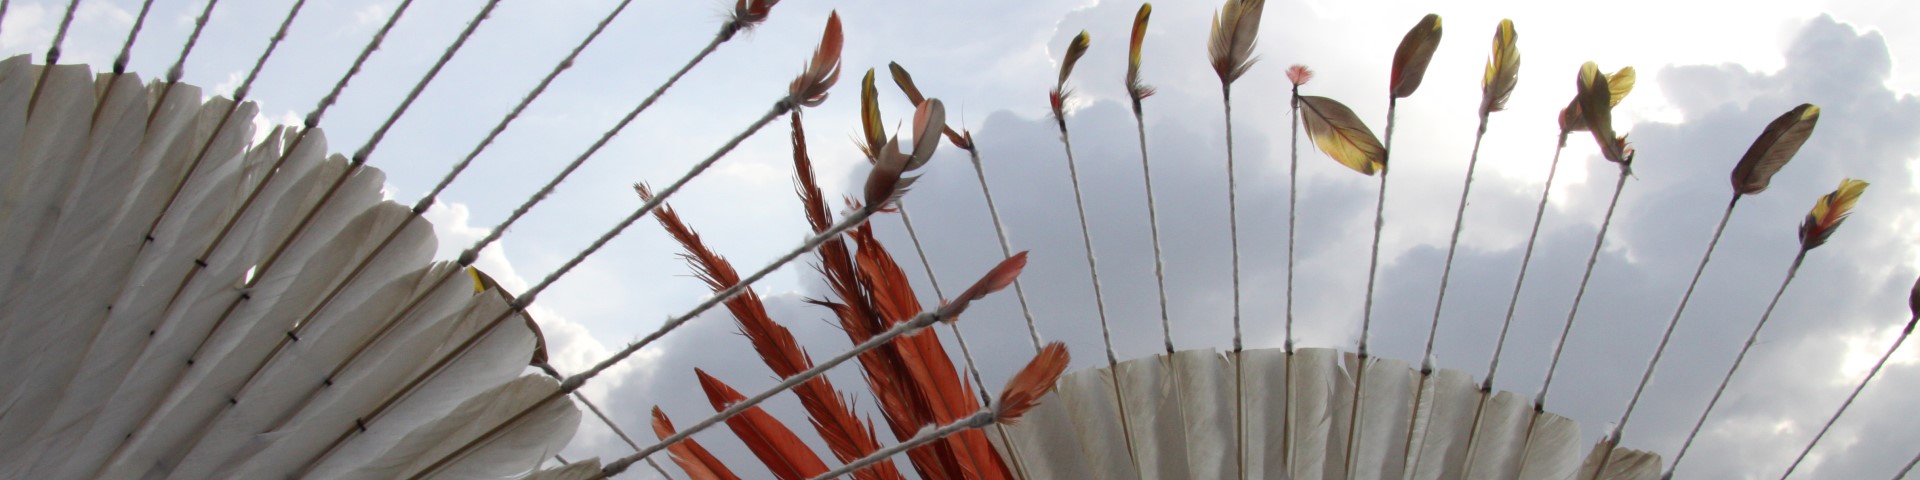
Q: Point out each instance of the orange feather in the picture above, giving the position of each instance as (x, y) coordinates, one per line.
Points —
(688, 454)
(778, 447)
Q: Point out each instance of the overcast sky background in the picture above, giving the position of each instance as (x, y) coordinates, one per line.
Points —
(1710, 78)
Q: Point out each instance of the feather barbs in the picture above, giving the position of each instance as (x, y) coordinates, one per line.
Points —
(1135, 88)
(1829, 212)
(1236, 28)
(1058, 96)
(1503, 69)
(1024, 390)
(1337, 131)
(810, 88)
(995, 280)
(1776, 145)
(1299, 75)
(1411, 58)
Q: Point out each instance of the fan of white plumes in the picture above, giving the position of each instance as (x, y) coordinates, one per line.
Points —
(1181, 421)
(140, 344)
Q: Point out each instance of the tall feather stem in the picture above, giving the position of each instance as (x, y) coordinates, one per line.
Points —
(1897, 476)
(915, 324)
(1373, 269)
(1855, 394)
(3, 11)
(1513, 301)
(1153, 226)
(1006, 247)
(1752, 337)
(126, 55)
(979, 419)
(1652, 363)
(526, 298)
(426, 201)
(1599, 240)
(1293, 201)
(1446, 273)
(1233, 246)
(1093, 273)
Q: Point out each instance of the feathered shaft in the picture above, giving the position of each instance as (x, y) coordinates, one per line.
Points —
(1022, 394)
(1074, 51)
(1827, 214)
(915, 324)
(1502, 74)
(1236, 28)
(836, 421)
(1139, 91)
(776, 446)
(1298, 75)
(1409, 67)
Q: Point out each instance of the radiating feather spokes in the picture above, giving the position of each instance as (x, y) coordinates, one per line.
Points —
(1828, 213)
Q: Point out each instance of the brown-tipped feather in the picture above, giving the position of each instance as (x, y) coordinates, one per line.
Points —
(1411, 58)
(995, 280)
(1776, 145)
(1024, 391)
(688, 454)
(1230, 44)
(777, 447)
(810, 88)
(828, 411)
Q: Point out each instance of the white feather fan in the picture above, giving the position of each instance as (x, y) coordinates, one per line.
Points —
(1182, 423)
(214, 333)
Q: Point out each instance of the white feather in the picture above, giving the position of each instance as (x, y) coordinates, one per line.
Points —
(1212, 444)
(1439, 447)
(1153, 411)
(1386, 408)
(588, 469)
(1553, 448)
(1626, 464)
(1265, 389)
(1089, 396)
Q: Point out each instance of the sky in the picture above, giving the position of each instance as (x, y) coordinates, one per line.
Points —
(1710, 78)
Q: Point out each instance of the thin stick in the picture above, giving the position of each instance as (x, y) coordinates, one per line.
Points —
(1006, 248)
(1599, 239)
(1792, 269)
(126, 49)
(1896, 476)
(965, 352)
(1540, 400)
(1647, 376)
(1099, 301)
(1373, 268)
(1153, 225)
(1446, 273)
(1513, 302)
(1851, 396)
(1293, 200)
